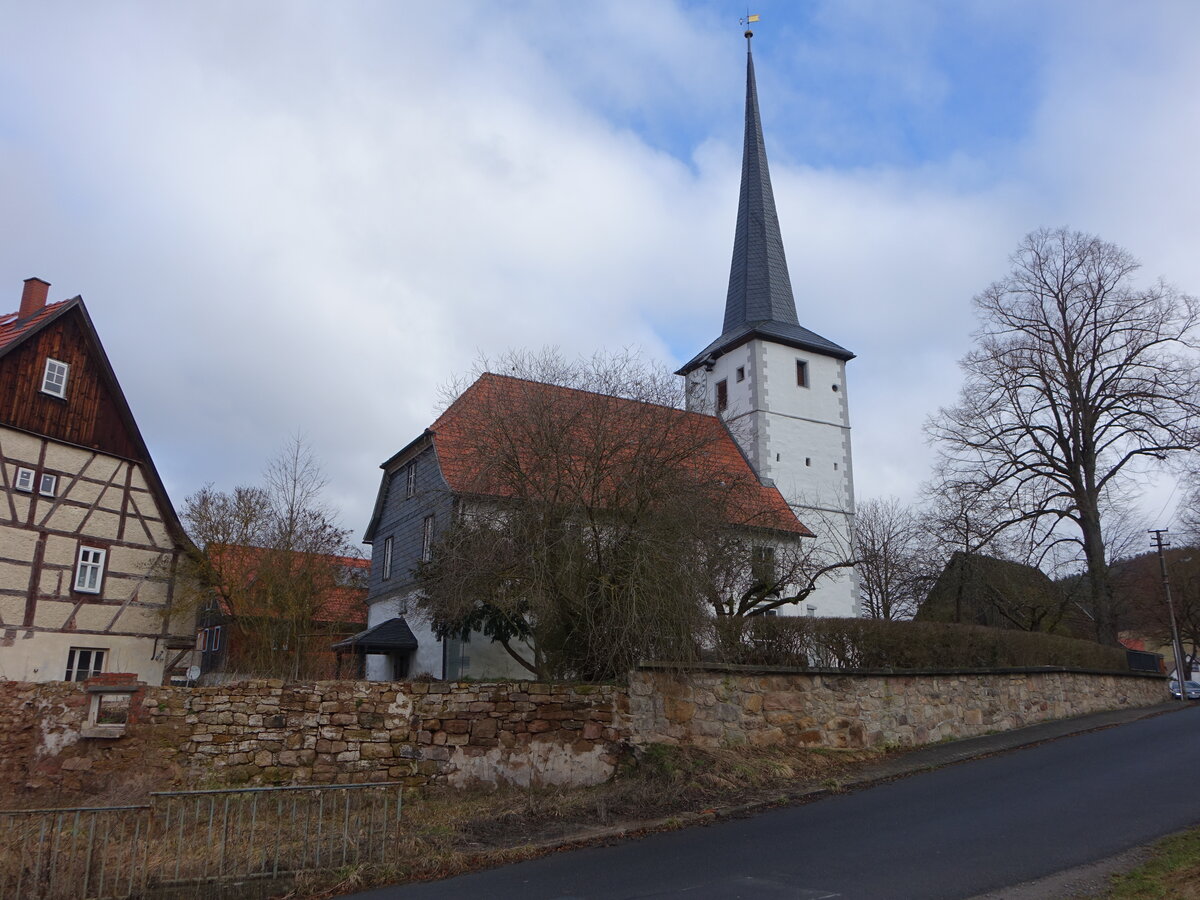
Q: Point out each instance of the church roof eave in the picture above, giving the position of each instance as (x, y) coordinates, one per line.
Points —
(776, 332)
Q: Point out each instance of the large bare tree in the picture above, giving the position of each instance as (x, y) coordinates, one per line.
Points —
(1078, 377)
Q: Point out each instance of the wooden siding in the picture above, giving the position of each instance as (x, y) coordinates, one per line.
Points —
(401, 518)
(89, 415)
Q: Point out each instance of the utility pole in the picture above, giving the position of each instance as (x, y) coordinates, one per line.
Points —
(1175, 643)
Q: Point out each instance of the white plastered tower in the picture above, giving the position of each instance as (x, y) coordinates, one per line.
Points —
(780, 387)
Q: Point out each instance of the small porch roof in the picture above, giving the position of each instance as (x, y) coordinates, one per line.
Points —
(391, 636)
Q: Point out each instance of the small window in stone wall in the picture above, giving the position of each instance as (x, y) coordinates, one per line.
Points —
(741, 373)
(722, 395)
(109, 711)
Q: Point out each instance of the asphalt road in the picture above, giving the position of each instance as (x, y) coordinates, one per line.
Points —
(956, 832)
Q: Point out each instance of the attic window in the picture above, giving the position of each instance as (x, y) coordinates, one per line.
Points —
(54, 379)
(722, 395)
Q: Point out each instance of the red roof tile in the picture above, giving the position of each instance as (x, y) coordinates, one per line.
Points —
(596, 425)
(13, 329)
(343, 604)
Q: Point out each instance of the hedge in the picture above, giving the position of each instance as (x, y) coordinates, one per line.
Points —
(873, 644)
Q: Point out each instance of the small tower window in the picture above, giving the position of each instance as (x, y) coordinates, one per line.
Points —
(741, 373)
(410, 479)
(801, 373)
(387, 558)
(54, 379)
(808, 460)
(722, 395)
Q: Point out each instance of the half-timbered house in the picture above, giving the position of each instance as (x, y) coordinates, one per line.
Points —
(89, 541)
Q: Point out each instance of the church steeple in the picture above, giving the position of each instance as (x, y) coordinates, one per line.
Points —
(759, 302)
(759, 287)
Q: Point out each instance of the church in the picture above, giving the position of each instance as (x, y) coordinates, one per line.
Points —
(773, 395)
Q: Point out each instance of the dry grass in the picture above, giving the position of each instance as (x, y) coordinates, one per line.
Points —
(448, 832)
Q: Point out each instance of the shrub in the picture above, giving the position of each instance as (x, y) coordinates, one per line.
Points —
(874, 644)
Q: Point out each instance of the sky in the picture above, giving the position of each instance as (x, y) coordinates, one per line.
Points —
(299, 217)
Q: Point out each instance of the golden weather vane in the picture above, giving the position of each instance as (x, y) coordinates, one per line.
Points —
(746, 23)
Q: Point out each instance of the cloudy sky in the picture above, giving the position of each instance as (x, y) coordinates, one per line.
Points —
(295, 216)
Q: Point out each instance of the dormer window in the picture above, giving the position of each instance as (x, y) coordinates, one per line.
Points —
(54, 379)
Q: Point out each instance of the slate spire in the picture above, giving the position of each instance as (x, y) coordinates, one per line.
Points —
(759, 287)
(759, 304)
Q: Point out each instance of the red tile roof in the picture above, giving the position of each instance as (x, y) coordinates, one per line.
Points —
(343, 604)
(596, 426)
(13, 329)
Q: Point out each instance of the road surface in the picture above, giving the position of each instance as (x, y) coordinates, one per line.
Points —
(956, 832)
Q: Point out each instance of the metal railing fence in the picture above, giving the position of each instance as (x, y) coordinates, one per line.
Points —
(194, 839)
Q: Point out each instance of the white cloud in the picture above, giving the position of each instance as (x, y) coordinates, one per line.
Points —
(308, 216)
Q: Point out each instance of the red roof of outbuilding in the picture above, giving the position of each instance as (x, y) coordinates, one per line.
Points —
(700, 442)
(238, 566)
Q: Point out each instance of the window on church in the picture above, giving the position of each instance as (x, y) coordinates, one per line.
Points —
(387, 559)
(801, 373)
(722, 395)
(410, 479)
(762, 565)
(741, 373)
(427, 539)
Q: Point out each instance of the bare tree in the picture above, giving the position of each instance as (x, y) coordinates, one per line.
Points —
(1078, 377)
(599, 531)
(272, 557)
(893, 559)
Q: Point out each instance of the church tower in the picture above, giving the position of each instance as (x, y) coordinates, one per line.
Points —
(780, 388)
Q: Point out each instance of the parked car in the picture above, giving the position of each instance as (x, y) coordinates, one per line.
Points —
(1193, 689)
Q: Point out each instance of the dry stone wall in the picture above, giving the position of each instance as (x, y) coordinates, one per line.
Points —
(265, 732)
(731, 706)
(522, 733)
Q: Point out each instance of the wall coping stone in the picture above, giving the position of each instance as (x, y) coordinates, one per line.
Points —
(655, 666)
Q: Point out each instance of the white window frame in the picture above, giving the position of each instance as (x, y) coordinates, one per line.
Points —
(427, 539)
(97, 656)
(387, 558)
(410, 479)
(54, 377)
(89, 570)
(24, 480)
(48, 485)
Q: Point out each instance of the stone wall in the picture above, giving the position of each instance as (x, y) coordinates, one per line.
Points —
(317, 732)
(269, 732)
(732, 705)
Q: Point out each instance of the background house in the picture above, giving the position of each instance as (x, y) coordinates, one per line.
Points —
(278, 613)
(90, 544)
